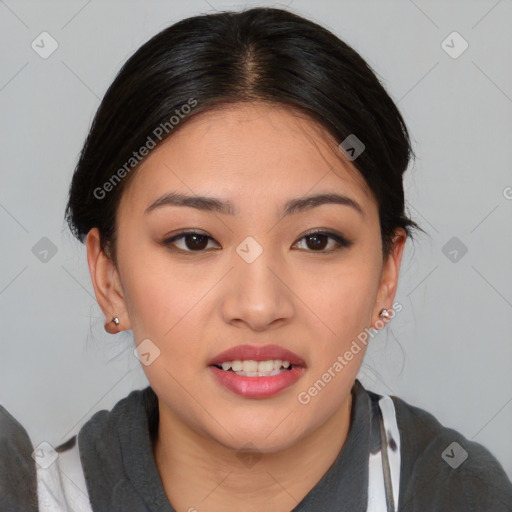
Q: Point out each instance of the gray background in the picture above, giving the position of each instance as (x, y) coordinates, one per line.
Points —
(449, 351)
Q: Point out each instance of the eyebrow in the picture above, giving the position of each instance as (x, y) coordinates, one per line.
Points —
(213, 204)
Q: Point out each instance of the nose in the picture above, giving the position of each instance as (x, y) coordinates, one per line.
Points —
(258, 294)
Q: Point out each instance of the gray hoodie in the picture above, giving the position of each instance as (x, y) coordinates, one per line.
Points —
(121, 475)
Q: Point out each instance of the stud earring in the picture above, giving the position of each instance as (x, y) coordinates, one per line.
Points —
(384, 314)
(116, 320)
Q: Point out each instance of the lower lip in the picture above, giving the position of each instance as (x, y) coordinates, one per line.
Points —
(257, 387)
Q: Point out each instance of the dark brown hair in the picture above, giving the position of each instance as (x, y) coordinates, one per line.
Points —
(264, 54)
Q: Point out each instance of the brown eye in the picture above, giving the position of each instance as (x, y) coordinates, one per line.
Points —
(192, 241)
(317, 241)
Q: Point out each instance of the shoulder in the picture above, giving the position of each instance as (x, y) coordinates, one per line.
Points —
(442, 468)
(103, 429)
(18, 485)
(44, 479)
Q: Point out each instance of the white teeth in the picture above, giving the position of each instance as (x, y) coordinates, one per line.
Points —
(260, 374)
(250, 366)
(254, 368)
(265, 366)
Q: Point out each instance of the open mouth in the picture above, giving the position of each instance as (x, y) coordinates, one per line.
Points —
(257, 372)
(251, 368)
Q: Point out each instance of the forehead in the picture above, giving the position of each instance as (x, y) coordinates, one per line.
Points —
(253, 148)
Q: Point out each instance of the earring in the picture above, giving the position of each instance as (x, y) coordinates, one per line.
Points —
(116, 320)
(384, 314)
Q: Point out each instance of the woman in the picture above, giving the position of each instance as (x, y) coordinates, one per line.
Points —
(240, 196)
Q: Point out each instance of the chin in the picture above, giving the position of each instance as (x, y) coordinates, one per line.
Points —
(263, 435)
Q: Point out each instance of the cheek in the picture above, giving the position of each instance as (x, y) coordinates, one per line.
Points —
(154, 298)
(160, 303)
(344, 301)
(165, 303)
(345, 304)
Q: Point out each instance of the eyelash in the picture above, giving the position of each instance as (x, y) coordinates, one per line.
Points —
(342, 242)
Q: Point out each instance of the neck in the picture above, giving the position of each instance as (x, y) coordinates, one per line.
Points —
(197, 471)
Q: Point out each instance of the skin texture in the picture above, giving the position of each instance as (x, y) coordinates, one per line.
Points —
(193, 305)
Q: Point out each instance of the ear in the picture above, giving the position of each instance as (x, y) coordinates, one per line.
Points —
(106, 283)
(389, 277)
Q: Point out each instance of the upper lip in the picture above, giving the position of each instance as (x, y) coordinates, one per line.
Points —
(257, 353)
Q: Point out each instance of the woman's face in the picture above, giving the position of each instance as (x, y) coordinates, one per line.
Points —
(252, 276)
